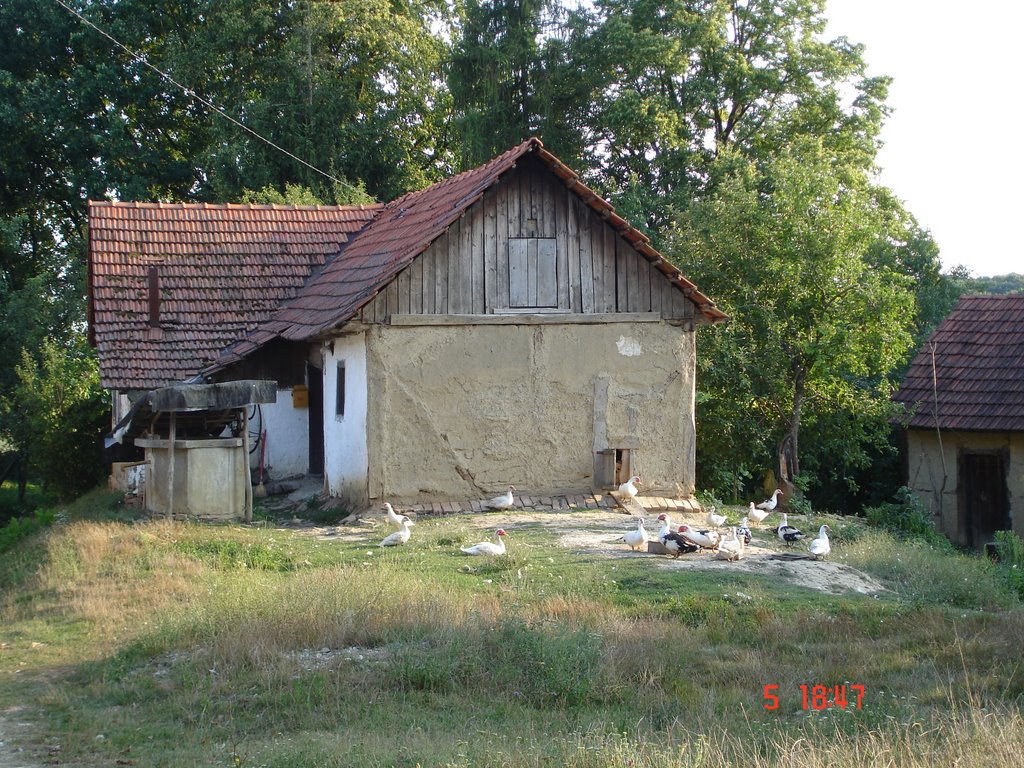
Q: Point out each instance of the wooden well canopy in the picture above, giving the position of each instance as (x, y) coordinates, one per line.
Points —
(180, 414)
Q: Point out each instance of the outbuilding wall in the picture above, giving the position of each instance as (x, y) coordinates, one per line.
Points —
(932, 473)
(460, 408)
(346, 460)
(286, 452)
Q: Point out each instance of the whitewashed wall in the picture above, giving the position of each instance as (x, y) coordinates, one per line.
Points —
(287, 437)
(346, 462)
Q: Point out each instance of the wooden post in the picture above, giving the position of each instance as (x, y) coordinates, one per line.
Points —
(170, 468)
(245, 465)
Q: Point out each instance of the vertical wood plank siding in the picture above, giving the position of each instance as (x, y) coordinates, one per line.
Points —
(474, 268)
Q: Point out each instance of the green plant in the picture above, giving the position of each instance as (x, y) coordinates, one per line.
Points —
(1010, 551)
(229, 554)
(905, 518)
(22, 527)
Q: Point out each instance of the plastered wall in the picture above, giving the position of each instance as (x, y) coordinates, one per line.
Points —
(345, 439)
(286, 452)
(457, 412)
(927, 465)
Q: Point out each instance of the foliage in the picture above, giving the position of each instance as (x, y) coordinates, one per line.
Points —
(906, 518)
(58, 413)
(1010, 556)
(22, 527)
(495, 76)
(662, 91)
(815, 328)
(999, 284)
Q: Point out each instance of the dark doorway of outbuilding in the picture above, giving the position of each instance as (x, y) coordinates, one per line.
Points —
(986, 504)
(315, 383)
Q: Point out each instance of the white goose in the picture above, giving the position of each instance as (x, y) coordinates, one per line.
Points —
(504, 501)
(496, 547)
(770, 504)
(714, 519)
(730, 548)
(395, 520)
(636, 539)
(400, 536)
(707, 539)
(628, 488)
(820, 547)
(787, 532)
(755, 514)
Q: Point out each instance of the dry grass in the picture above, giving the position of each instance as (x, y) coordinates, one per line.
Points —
(214, 639)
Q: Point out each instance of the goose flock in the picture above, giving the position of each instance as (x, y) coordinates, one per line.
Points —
(676, 540)
(489, 548)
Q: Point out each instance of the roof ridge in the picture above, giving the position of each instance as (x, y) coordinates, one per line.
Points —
(135, 204)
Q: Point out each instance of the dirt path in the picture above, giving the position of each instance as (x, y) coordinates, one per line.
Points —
(11, 755)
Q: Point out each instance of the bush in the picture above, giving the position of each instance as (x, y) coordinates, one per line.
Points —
(905, 518)
(22, 527)
(1010, 548)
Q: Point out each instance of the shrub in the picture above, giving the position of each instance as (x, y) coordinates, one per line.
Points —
(905, 518)
(22, 527)
(1010, 548)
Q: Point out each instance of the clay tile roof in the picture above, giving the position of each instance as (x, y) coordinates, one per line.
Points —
(979, 369)
(402, 231)
(222, 270)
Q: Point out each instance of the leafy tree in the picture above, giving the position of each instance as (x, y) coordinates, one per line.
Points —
(672, 84)
(816, 327)
(58, 413)
(496, 76)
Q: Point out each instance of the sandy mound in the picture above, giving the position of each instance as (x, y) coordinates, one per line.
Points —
(594, 533)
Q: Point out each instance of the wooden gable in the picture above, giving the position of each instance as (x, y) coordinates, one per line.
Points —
(530, 245)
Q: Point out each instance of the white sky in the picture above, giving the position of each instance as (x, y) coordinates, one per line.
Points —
(954, 143)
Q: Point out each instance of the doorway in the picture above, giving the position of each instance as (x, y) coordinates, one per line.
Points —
(985, 500)
(315, 383)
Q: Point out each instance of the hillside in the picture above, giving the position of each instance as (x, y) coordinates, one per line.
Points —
(293, 644)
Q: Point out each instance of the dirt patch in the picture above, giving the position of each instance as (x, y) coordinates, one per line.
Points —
(13, 730)
(595, 533)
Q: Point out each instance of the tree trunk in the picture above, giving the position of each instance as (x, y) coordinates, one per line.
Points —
(788, 454)
(22, 477)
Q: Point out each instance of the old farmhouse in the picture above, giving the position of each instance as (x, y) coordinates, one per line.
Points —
(502, 326)
(965, 435)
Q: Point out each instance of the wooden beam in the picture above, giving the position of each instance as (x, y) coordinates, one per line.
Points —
(528, 317)
(170, 467)
(245, 465)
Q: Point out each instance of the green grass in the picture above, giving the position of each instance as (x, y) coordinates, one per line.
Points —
(170, 644)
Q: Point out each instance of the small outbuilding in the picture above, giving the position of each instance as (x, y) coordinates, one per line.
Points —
(964, 394)
(504, 326)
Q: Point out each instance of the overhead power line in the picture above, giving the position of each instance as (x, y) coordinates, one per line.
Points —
(202, 100)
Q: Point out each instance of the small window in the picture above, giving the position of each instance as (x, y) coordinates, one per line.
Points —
(532, 272)
(339, 400)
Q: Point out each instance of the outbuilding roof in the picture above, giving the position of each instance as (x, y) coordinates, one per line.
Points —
(969, 375)
(233, 277)
(214, 273)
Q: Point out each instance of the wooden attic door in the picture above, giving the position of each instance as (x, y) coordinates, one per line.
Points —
(536, 280)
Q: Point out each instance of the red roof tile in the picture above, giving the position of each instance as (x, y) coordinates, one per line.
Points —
(403, 230)
(233, 277)
(223, 269)
(979, 369)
